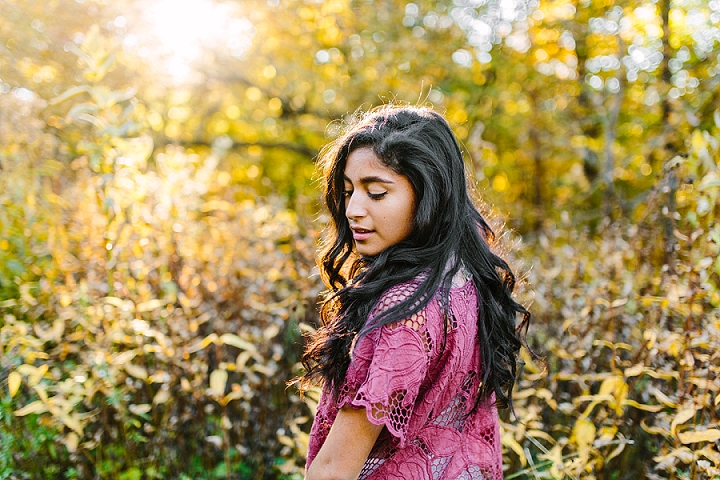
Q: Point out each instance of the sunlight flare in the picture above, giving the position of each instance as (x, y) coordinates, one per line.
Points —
(185, 29)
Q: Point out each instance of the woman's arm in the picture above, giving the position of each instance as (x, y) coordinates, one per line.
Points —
(346, 448)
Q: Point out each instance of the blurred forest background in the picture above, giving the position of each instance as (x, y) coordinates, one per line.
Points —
(159, 218)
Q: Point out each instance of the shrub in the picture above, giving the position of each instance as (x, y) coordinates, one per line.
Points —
(628, 319)
(148, 313)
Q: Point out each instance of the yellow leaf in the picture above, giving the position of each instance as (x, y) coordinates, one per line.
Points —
(607, 433)
(634, 371)
(662, 375)
(114, 301)
(617, 451)
(614, 385)
(140, 409)
(684, 454)
(698, 141)
(225, 422)
(285, 440)
(65, 300)
(37, 375)
(40, 390)
(185, 384)
(218, 379)
(72, 421)
(674, 348)
(161, 396)
(271, 331)
(34, 407)
(619, 302)
(56, 332)
(540, 434)
(710, 180)
(32, 356)
(208, 340)
(235, 341)
(662, 398)
(654, 430)
(26, 369)
(150, 305)
(264, 369)
(650, 337)
(556, 457)
(681, 417)
(584, 433)
(509, 441)
(136, 371)
(234, 395)
(642, 406)
(245, 356)
(14, 380)
(709, 452)
(71, 442)
(524, 393)
(710, 435)
(124, 357)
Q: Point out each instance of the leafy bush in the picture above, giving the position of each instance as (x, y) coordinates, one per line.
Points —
(151, 305)
(629, 321)
(149, 314)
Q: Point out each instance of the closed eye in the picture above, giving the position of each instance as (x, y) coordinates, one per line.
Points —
(376, 196)
(347, 193)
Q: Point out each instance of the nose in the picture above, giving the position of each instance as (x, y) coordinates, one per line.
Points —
(354, 207)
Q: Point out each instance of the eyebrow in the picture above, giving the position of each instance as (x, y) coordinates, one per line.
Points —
(371, 179)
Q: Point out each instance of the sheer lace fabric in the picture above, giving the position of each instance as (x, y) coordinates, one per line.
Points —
(421, 385)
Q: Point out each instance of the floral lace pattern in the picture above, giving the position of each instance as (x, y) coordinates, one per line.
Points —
(421, 385)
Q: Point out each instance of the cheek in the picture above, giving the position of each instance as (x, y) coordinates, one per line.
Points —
(405, 219)
(410, 220)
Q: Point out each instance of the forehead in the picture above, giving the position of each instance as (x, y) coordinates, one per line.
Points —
(363, 163)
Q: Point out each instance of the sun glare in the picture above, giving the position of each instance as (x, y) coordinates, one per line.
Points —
(183, 29)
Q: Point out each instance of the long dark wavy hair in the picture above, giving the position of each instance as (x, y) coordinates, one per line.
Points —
(449, 233)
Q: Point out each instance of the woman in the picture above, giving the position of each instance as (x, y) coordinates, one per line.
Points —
(419, 339)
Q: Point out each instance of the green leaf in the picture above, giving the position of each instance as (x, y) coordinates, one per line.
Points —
(15, 267)
(133, 473)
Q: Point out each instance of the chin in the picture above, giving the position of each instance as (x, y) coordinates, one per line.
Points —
(367, 252)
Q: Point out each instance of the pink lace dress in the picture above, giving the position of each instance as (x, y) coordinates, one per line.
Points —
(421, 385)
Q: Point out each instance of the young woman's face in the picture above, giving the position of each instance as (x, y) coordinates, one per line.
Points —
(379, 203)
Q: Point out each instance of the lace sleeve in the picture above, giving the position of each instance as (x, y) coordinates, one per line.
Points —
(388, 368)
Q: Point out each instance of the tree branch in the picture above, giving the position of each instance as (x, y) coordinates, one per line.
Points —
(297, 148)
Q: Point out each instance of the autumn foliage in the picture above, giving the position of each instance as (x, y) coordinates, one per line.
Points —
(157, 236)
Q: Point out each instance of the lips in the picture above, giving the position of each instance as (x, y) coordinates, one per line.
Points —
(360, 234)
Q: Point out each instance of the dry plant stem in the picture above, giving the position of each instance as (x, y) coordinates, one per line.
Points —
(687, 327)
(613, 360)
(643, 348)
(531, 462)
(671, 246)
(226, 443)
(610, 136)
(546, 452)
(260, 472)
(706, 393)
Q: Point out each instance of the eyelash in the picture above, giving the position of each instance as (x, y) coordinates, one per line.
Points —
(373, 196)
